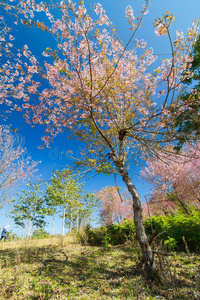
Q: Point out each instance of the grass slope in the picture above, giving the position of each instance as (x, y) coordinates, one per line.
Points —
(59, 268)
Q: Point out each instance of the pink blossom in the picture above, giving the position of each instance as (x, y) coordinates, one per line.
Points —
(129, 14)
(160, 30)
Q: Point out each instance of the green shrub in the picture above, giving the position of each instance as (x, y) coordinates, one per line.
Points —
(113, 234)
(40, 234)
(12, 236)
(159, 224)
(171, 243)
(188, 226)
(176, 226)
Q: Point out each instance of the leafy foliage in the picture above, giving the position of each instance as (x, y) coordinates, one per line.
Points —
(175, 227)
(39, 234)
(30, 207)
(113, 234)
(66, 192)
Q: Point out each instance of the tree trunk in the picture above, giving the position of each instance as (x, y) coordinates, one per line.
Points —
(63, 220)
(29, 228)
(183, 206)
(30, 225)
(147, 254)
(53, 225)
(77, 221)
(70, 225)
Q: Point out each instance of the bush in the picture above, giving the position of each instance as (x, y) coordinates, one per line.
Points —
(12, 236)
(177, 226)
(40, 234)
(181, 231)
(181, 225)
(159, 224)
(114, 234)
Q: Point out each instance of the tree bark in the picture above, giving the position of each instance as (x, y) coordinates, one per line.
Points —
(77, 221)
(63, 220)
(29, 228)
(53, 225)
(147, 253)
(70, 226)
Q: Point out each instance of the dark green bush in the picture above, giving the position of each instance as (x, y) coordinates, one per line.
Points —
(181, 226)
(159, 224)
(176, 226)
(40, 234)
(114, 234)
(121, 233)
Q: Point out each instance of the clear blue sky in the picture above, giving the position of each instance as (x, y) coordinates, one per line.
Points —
(184, 10)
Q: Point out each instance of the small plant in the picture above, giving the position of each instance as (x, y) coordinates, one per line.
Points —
(106, 239)
(170, 243)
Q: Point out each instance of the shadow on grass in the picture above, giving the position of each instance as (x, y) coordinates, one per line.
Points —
(88, 270)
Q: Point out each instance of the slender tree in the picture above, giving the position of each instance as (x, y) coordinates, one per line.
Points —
(64, 192)
(90, 205)
(87, 204)
(102, 91)
(30, 208)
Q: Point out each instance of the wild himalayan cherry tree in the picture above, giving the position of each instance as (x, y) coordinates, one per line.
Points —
(115, 207)
(101, 90)
(175, 180)
(15, 164)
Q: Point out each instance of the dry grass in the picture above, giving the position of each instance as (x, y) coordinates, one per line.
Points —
(59, 268)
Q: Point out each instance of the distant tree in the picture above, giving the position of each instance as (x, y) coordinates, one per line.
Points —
(87, 204)
(90, 204)
(175, 180)
(53, 198)
(15, 163)
(39, 234)
(30, 208)
(114, 208)
(64, 191)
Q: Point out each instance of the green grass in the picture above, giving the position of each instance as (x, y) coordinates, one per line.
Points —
(59, 268)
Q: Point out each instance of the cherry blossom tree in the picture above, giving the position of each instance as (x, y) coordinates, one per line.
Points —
(15, 164)
(101, 90)
(114, 207)
(175, 180)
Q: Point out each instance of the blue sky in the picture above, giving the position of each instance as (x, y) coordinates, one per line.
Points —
(184, 10)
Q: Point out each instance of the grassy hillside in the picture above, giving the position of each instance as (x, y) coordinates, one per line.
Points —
(59, 268)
